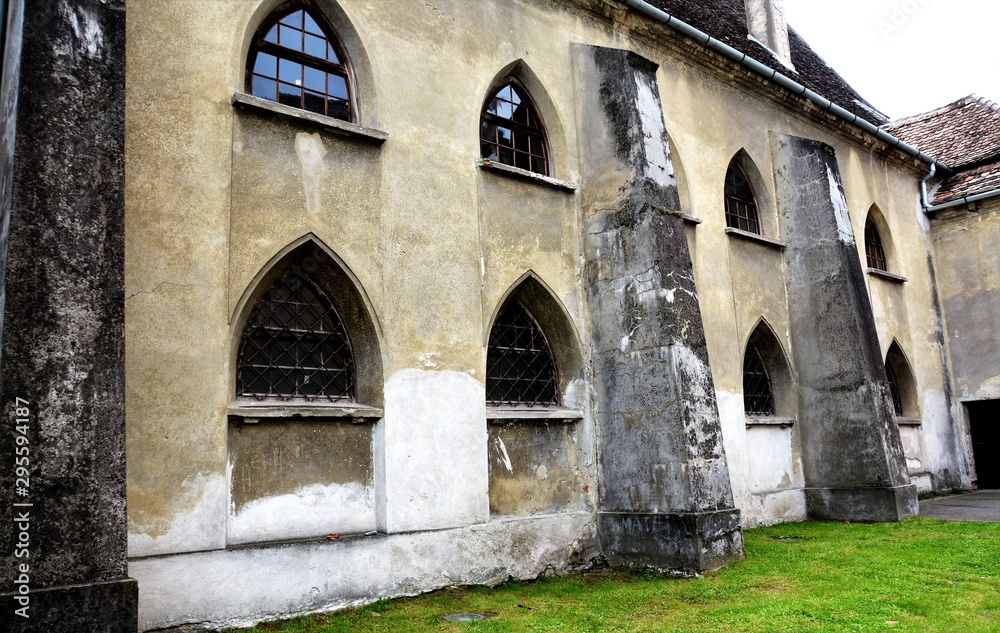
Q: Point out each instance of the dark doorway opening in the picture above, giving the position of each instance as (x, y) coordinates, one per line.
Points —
(984, 425)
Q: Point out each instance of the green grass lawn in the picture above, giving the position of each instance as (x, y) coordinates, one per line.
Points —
(917, 575)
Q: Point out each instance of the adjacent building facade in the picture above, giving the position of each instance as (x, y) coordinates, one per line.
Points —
(450, 292)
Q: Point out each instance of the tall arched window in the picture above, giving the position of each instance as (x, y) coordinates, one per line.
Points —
(741, 202)
(520, 369)
(902, 386)
(296, 59)
(511, 131)
(758, 396)
(295, 346)
(874, 252)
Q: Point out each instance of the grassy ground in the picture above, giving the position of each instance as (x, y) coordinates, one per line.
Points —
(918, 575)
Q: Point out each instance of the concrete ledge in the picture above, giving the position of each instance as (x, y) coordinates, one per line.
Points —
(500, 416)
(337, 126)
(682, 541)
(253, 412)
(105, 607)
(524, 174)
(238, 587)
(769, 420)
(862, 504)
(690, 219)
(910, 421)
(884, 274)
(754, 237)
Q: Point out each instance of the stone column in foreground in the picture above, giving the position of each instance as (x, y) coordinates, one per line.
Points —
(62, 396)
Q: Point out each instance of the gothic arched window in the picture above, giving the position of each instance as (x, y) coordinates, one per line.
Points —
(758, 397)
(520, 369)
(296, 59)
(874, 252)
(511, 132)
(741, 203)
(902, 386)
(295, 346)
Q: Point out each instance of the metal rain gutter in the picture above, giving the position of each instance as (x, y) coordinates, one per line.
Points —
(768, 73)
(928, 208)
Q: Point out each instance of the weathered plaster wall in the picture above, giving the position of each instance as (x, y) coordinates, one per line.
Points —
(968, 273)
(434, 244)
(241, 586)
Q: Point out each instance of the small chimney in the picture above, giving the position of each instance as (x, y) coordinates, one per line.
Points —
(766, 23)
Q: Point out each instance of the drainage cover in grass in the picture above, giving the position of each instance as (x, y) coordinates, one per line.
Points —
(464, 617)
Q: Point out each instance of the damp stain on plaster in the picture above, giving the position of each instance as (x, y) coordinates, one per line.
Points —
(197, 519)
(310, 150)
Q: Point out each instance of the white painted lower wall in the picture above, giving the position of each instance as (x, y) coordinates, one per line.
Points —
(238, 587)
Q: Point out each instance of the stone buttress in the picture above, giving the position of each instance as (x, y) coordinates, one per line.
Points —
(665, 494)
(851, 452)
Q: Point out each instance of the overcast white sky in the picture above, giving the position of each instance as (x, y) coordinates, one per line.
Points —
(906, 56)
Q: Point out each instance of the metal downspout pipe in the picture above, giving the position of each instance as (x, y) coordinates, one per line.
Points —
(749, 62)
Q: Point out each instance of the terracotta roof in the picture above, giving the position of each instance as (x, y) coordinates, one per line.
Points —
(965, 135)
(726, 21)
(969, 183)
(965, 132)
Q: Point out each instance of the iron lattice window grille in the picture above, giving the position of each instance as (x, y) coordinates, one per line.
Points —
(758, 399)
(741, 203)
(520, 370)
(897, 399)
(296, 60)
(511, 132)
(294, 346)
(874, 253)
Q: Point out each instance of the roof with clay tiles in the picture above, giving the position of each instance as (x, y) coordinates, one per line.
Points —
(726, 21)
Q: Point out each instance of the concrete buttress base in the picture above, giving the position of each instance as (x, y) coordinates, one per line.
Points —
(691, 541)
(862, 504)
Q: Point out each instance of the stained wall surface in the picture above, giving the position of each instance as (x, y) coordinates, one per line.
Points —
(427, 244)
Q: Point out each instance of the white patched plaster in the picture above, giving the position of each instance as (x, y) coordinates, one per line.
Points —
(202, 526)
(772, 466)
(314, 510)
(657, 167)
(989, 389)
(576, 395)
(504, 459)
(844, 230)
(311, 151)
(938, 448)
(435, 451)
(239, 587)
(781, 506)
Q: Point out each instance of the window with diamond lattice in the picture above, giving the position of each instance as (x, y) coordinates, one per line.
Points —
(741, 203)
(874, 253)
(296, 60)
(511, 132)
(520, 370)
(758, 398)
(295, 346)
(897, 398)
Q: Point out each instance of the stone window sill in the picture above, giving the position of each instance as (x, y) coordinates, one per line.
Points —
(345, 128)
(534, 414)
(524, 174)
(887, 275)
(909, 421)
(252, 412)
(769, 420)
(753, 237)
